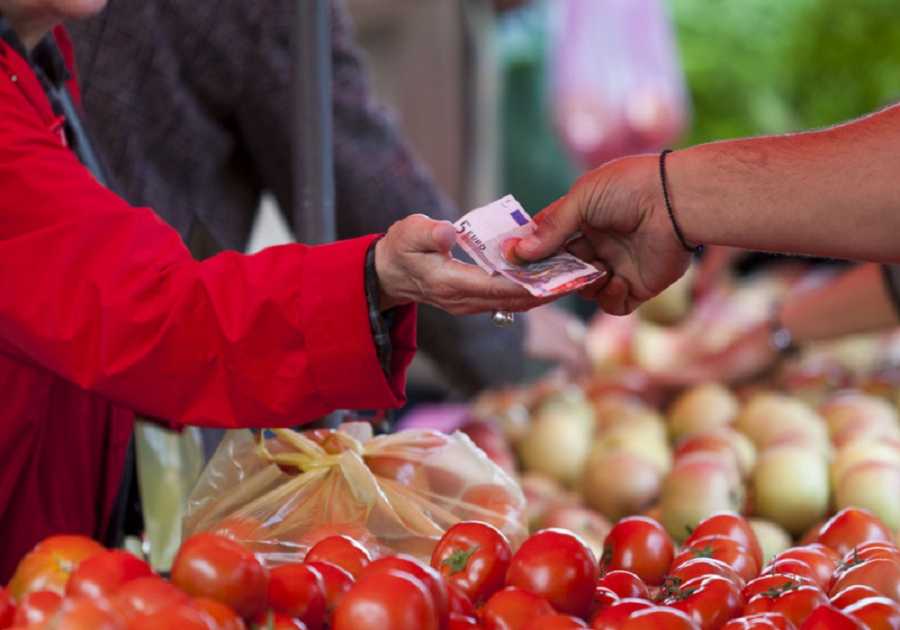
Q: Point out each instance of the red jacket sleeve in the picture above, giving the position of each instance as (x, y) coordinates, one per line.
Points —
(107, 296)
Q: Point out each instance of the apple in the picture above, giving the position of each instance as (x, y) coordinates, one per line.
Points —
(592, 527)
(874, 486)
(727, 443)
(700, 408)
(608, 341)
(643, 435)
(699, 485)
(655, 348)
(773, 539)
(863, 450)
(613, 408)
(849, 408)
(489, 438)
(543, 495)
(770, 418)
(619, 483)
(790, 486)
(671, 305)
(559, 439)
(865, 428)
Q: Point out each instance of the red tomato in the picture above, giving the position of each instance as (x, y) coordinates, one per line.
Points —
(224, 617)
(817, 557)
(276, 621)
(640, 545)
(492, 504)
(475, 557)
(760, 621)
(556, 565)
(335, 581)
(297, 590)
(793, 566)
(882, 575)
(868, 551)
(796, 603)
(82, 613)
(830, 618)
(386, 599)
(774, 583)
(513, 609)
(145, 596)
(183, 616)
(614, 616)
(342, 551)
(603, 598)
(851, 527)
(402, 471)
(47, 567)
(730, 525)
(103, 574)
(724, 549)
(7, 608)
(432, 580)
(463, 622)
(709, 600)
(459, 603)
(699, 567)
(37, 607)
(877, 613)
(624, 584)
(210, 565)
(851, 595)
(659, 618)
(555, 621)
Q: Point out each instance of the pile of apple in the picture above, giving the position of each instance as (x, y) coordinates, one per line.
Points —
(589, 458)
(849, 577)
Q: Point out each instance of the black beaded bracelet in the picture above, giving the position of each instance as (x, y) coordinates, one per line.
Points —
(665, 191)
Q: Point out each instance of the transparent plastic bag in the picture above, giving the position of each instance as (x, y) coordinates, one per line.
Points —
(616, 85)
(282, 492)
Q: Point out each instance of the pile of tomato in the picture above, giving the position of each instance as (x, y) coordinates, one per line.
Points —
(849, 577)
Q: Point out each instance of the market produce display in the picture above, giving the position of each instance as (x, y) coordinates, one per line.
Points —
(848, 577)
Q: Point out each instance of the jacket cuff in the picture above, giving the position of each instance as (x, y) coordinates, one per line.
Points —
(334, 320)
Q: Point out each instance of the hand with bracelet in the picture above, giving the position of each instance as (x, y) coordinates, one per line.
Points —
(831, 192)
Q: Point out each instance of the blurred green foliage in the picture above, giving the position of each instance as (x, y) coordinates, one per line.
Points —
(770, 66)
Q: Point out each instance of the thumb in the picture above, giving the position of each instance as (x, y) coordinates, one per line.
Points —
(555, 224)
(444, 236)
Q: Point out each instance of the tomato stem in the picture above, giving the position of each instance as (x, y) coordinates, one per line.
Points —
(458, 560)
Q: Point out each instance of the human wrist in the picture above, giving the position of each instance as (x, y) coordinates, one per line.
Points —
(665, 188)
(388, 288)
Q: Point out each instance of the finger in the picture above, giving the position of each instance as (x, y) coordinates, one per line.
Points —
(424, 235)
(583, 249)
(613, 299)
(444, 236)
(555, 224)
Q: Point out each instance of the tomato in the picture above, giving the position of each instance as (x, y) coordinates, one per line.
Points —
(795, 602)
(624, 584)
(37, 607)
(868, 551)
(851, 595)
(211, 565)
(827, 617)
(773, 583)
(475, 557)
(724, 549)
(276, 621)
(342, 551)
(556, 565)
(297, 590)
(612, 617)
(386, 599)
(459, 603)
(402, 471)
(817, 557)
(877, 613)
(222, 615)
(659, 618)
(792, 566)
(183, 616)
(603, 598)
(730, 525)
(513, 609)
(335, 582)
(7, 608)
(640, 545)
(82, 613)
(463, 622)
(492, 504)
(882, 575)
(432, 580)
(851, 527)
(145, 596)
(555, 621)
(103, 574)
(47, 567)
(709, 600)
(699, 567)
(760, 621)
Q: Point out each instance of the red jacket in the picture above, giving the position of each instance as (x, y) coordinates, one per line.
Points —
(104, 312)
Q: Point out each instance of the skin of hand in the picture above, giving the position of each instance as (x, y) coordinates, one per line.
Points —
(553, 334)
(32, 19)
(619, 211)
(414, 264)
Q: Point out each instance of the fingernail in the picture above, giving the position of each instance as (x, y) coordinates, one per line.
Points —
(528, 244)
